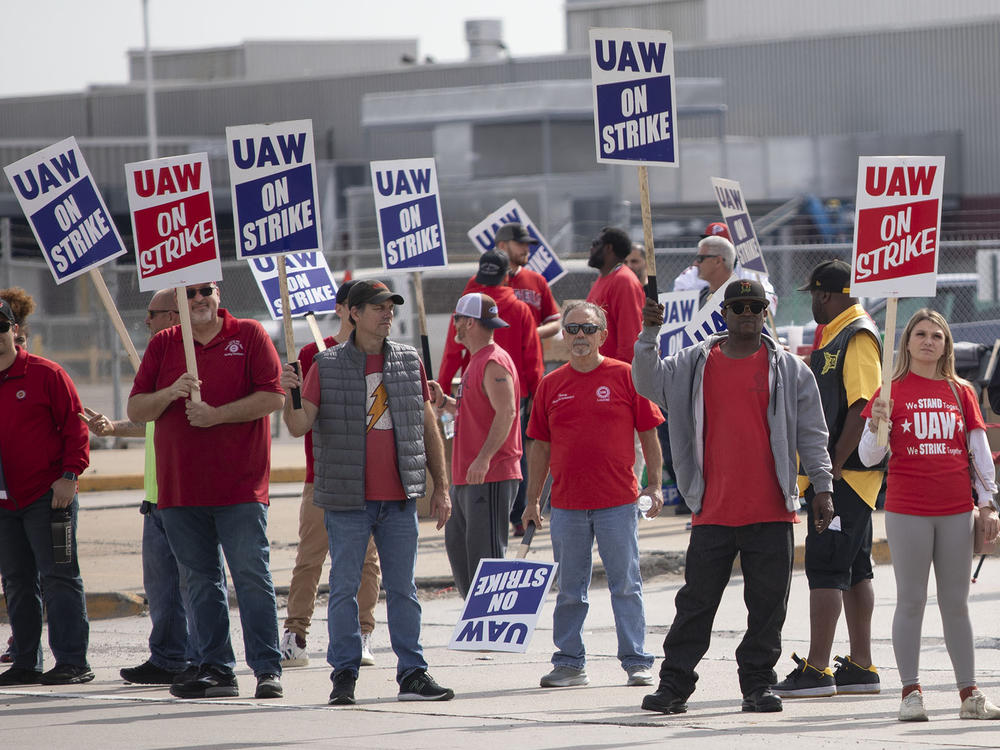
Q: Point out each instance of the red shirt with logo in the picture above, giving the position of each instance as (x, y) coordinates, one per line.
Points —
(227, 464)
(741, 485)
(305, 364)
(40, 432)
(588, 419)
(382, 481)
(928, 459)
(621, 296)
(533, 290)
(474, 418)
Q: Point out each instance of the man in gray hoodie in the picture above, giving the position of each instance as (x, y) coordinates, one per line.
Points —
(736, 394)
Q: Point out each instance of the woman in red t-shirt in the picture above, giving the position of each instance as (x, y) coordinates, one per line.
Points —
(935, 420)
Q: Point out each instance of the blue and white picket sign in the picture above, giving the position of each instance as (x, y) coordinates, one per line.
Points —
(311, 287)
(635, 104)
(408, 208)
(503, 605)
(272, 170)
(541, 259)
(729, 196)
(679, 310)
(65, 210)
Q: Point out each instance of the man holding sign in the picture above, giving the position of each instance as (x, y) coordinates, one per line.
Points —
(581, 427)
(212, 468)
(737, 396)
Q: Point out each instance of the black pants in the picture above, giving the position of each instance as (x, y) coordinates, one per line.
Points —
(766, 551)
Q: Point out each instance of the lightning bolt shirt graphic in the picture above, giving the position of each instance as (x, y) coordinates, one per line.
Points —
(377, 402)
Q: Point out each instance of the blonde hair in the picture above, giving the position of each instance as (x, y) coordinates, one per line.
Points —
(946, 364)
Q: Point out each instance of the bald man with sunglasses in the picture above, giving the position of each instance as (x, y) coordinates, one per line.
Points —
(740, 408)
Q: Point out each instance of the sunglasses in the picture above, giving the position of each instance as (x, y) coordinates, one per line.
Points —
(5, 325)
(154, 313)
(204, 291)
(588, 328)
(703, 258)
(755, 307)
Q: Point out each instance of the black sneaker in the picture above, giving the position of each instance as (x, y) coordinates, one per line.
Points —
(186, 675)
(343, 688)
(420, 686)
(664, 700)
(19, 676)
(853, 679)
(806, 681)
(761, 701)
(211, 682)
(148, 673)
(67, 674)
(269, 686)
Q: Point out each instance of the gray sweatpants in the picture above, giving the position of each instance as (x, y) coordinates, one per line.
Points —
(477, 527)
(915, 542)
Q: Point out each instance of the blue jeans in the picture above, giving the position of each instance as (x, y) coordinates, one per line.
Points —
(393, 524)
(195, 534)
(573, 533)
(31, 576)
(170, 645)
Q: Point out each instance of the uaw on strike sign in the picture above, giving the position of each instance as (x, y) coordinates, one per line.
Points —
(632, 71)
(898, 226)
(173, 221)
(408, 208)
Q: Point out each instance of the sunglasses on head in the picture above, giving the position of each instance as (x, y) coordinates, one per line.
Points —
(755, 307)
(588, 328)
(204, 291)
(5, 325)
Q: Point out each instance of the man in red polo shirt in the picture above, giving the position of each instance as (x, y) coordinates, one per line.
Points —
(212, 468)
(617, 291)
(529, 286)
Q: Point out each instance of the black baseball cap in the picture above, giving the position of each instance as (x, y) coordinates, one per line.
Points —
(829, 276)
(343, 290)
(515, 231)
(745, 289)
(493, 268)
(6, 311)
(371, 293)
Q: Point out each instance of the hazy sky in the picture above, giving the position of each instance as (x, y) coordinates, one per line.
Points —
(50, 46)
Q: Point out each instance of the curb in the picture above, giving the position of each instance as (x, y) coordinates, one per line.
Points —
(93, 482)
(103, 606)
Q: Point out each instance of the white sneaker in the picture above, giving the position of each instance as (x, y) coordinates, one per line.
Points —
(292, 654)
(367, 657)
(912, 707)
(976, 706)
(639, 677)
(564, 677)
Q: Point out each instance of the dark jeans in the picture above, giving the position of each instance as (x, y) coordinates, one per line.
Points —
(765, 551)
(517, 507)
(31, 576)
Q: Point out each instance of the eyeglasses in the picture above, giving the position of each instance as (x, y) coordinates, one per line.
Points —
(588, 328)
(204, 291)
(755, 307)
(153, 313)
(5, 326)
(703, 258)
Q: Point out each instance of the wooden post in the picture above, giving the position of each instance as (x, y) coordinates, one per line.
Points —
(188, 337)
(647, 233)
(418, 294)
(888, 344)
(116, 318)
(286, 322)
(314, 328)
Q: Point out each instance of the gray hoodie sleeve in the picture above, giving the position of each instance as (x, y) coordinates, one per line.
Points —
(650, 374)
(812, 436)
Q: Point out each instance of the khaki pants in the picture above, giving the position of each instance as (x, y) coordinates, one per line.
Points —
(313, 548)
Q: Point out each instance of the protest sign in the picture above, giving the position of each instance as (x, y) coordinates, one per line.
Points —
(632, 71)
(503, 605)
(679, 311)
(272, 170)
(408, 208)
(709, 320)
(897, 227)
(541, 258)
(173, 221)
(311, 287)
(729, 196)
(65, 210)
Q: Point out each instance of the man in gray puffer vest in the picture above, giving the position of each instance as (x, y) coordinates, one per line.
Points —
(374, 435)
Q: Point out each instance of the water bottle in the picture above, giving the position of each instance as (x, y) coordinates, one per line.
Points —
(645, 503)
(448, 425)
(62, 535)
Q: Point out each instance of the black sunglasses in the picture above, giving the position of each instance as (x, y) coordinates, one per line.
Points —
(204, 291)
(703, 258)
(588, 328)
(5, 326)
(755, 307)
(153, 313)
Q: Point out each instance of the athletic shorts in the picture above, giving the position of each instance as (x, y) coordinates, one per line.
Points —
(838, 559)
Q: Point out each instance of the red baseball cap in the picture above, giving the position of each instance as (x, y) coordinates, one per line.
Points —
(717, 229)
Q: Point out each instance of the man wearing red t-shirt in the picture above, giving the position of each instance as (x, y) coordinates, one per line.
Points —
(313, 542)
(529, 286)
(617, 291)
(486, 453)
(735, 397)
(581, 428)
(43, 450)
(212, 469)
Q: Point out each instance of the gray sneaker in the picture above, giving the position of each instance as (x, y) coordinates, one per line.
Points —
(639, 676)
(565, 677)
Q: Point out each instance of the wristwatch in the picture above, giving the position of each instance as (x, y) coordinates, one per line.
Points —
(70, 476)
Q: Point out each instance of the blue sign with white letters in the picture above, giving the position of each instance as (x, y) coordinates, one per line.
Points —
(311, 287)
(541, 259)
(408, 208)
